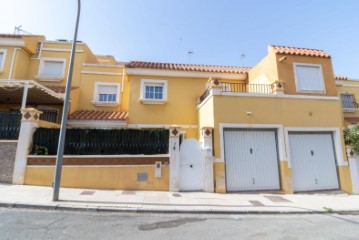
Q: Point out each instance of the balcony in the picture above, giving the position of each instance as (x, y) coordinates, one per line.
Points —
(217, 87)
(349, 103)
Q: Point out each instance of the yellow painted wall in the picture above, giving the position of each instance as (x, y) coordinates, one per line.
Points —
(87, 89)
(31, 43)
(100, 177)
(270, 110)
(310, 113)
(75, 100)
(285, 177)
(219, 177)
(265, 72)
(180, 108)
(21, 65)
(345, 179)
(286, 73)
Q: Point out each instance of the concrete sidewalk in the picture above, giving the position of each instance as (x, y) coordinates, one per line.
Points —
(21, 196)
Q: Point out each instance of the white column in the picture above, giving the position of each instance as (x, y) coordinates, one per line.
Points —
(174, 158)
(207, 148)
(354, 169)
(278, 87)
(29, 122)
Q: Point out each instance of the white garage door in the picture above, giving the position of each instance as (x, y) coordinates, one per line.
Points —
(251, 160)
(313, 161)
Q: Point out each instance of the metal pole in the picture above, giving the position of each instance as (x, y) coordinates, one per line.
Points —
(60, 148)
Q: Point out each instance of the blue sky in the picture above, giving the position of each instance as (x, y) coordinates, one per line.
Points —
(217, 31)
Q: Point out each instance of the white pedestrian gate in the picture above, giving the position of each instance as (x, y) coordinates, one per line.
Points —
(313, 161)
(251, 160)
(191, 166)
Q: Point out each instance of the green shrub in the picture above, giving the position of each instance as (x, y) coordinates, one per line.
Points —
(351, 138)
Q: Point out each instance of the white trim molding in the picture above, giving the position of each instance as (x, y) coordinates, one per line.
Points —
(60, 50)
(166, 126)
(101, 73)
(14, 42)
(171, 73)
(336, 137)
(42, 77)
(321, 78)
(280, 136)
(96, 100)
(153, 82)
(102, 65)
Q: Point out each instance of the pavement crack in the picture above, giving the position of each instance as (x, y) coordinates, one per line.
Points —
(169, 224)
(52, 223)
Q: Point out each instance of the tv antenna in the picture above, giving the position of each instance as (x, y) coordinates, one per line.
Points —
(243, 56)
(190, 53)
(19, 30)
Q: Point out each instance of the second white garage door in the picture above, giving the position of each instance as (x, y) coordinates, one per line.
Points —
(313, 161)
(251, 160)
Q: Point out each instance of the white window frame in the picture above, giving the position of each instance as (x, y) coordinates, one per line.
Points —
(51, 78)
(2, 63)
(321, 78)
(153, 82)
(96, 101)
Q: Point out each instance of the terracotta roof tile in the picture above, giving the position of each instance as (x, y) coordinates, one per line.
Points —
(98, 115)
(188, 67)
(59, 89)
(352, 120)
(338, 77)
(299, 51)
(9, 35)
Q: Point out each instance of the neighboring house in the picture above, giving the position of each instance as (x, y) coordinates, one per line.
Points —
(276, 126)
(349, 93)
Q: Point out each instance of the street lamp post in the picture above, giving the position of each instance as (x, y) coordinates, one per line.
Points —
(60, 147)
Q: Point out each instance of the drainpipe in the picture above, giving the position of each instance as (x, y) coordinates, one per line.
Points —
(123, 78)
(12, 63)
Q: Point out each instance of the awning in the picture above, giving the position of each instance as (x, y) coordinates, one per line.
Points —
(12, 92)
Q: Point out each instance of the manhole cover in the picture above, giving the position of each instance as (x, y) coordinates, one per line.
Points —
(87, 193)
(176, 195)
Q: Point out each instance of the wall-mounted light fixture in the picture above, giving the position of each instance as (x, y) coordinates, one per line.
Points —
(282, 59)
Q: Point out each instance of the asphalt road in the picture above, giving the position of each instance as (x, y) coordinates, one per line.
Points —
(35, 224)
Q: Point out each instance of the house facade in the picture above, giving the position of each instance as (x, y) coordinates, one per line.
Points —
(277, 126)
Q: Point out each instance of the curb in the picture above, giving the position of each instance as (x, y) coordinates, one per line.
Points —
(103, 209)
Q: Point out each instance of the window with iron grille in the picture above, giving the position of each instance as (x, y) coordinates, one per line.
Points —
(348, 100)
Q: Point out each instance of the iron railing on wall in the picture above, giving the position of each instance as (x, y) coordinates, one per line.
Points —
(246, 88)
(10, 125)
(240, 88)
(102, 142)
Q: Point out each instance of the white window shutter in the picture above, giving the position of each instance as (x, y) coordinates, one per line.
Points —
(107, 90)
(53, 69)
(309, 78)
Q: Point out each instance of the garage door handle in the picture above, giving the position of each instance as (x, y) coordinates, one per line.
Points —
(251, 150)
(312, 152)
(191, 166)
(253, 181)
